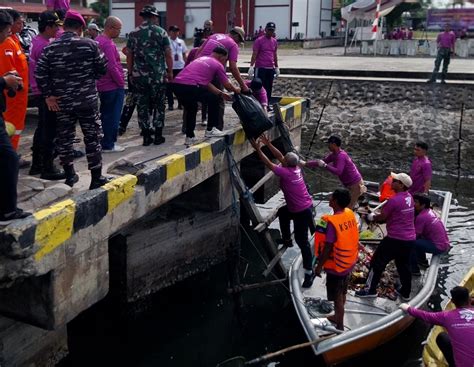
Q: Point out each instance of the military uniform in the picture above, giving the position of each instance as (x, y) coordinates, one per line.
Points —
(68, 69)
(147, 45)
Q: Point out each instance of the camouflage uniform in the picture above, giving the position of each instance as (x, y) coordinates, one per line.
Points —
(148, 43)
(68, 69)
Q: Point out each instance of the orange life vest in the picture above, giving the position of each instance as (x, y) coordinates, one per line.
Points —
(346, 248)
(386, 191)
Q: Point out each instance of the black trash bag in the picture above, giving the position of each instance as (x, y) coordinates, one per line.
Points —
(253, 118)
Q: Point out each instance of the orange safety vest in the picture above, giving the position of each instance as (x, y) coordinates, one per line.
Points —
(346, 248)
(386, 191)
(12, 58)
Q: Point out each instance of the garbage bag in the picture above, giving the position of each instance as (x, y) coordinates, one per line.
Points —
(252, 116)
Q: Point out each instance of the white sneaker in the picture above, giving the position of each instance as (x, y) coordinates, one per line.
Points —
(215, 132)
(116, 149)
(190, 141)
(204, 123)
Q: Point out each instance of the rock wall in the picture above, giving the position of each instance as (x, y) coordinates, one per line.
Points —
(380, 121)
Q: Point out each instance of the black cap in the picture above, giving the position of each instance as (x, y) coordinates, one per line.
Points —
(173, 28)
(270, 25)
(49, 18)
(149, 10)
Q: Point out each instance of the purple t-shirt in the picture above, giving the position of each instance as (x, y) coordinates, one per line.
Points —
(459, 323)
(191, 56)
(37, 45)
(400, 214)
(341, 165)
(294, 189)
(446, 39)
(260, 95)
(114, 78)
(429, 227)
(202, 71)
(58, 4)
(222, 40)
(265, 48)
(420, 172)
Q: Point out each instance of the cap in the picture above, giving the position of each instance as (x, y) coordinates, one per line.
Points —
(49, 18)
(173, 28)
(403, 178)
(94, 26)
(270, 25)
(74, 15)
(240, 31)
(149, 10)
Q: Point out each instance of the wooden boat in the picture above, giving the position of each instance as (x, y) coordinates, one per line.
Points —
(432, 356)
(368, 322)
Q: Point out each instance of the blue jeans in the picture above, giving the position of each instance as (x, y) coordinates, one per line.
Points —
(111, 103)
(420, 248)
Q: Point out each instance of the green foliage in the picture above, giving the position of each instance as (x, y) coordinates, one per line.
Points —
(394, 18)
(103, 9)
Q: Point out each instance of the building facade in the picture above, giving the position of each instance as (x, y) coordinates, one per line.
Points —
(31, 8)
(293, 18)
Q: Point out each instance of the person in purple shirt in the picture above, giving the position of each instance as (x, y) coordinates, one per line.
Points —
(298, 202)
(111, 86)
(194, 84)
(265, 58)
(256, 86)
(457, 344)
(399, 214)
(54, 5)
(340, 164)
(230, 42)
(431, 236)
(446, 41)
(421, 171)
(45, 133)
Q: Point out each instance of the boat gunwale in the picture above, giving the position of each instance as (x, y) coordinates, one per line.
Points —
(382, 323)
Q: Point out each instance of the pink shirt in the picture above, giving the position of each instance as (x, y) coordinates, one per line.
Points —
(115, 77)
(202, 71)
(446, 40)
(294, 188)
(58, 4)
(37, 45)
(429, 227)
(260, 95)
(459, 323)
(341, 165)
(223, 40)
(400, 214)
(420, 172)
(191, 56)
(266, 49)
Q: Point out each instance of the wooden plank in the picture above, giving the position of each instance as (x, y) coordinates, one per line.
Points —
(261, 182)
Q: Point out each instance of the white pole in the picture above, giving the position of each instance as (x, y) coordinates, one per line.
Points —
(345, 38)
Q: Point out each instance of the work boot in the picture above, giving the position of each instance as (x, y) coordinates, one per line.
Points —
(97, 180)
(36, 164)
(159, 139)
(50, 171)
(308, 280)
(71, 176)
(147, 137)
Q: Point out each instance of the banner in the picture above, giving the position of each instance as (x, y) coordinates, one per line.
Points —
(457, 18)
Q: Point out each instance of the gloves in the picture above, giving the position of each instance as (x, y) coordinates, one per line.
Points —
(370, 217)
(277, 72)
(404, 307)
(321, 163)
(251, 72)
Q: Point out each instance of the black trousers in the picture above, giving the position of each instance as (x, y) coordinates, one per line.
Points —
(45, 133)
(301, 223)
(444, 344)
(391, 249)
(169, 92)
(9, 169)
(189, 96)
(267, 76)
(221, 110)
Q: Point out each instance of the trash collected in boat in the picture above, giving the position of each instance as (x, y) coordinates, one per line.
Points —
(317, 306)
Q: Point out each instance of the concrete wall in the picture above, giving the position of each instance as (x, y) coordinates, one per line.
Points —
(278, 11)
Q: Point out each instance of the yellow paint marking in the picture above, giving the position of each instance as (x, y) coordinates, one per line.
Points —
(119, 190)
(55, 226)
(297, 110)
(283, 113)
(175, 165)
(287, 100)
(239, 137)
(205, 150)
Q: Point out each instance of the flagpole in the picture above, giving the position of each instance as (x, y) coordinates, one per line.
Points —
(375, 26)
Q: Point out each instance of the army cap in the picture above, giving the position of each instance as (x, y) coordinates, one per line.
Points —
(149, 10)
(240, 31)
(94, 27)
(49, 18)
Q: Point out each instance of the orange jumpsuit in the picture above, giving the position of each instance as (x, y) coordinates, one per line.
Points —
(12, 58)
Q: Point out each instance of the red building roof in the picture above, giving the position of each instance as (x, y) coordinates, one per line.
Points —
(39, 8)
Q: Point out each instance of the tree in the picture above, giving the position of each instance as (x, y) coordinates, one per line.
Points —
(102, 8)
